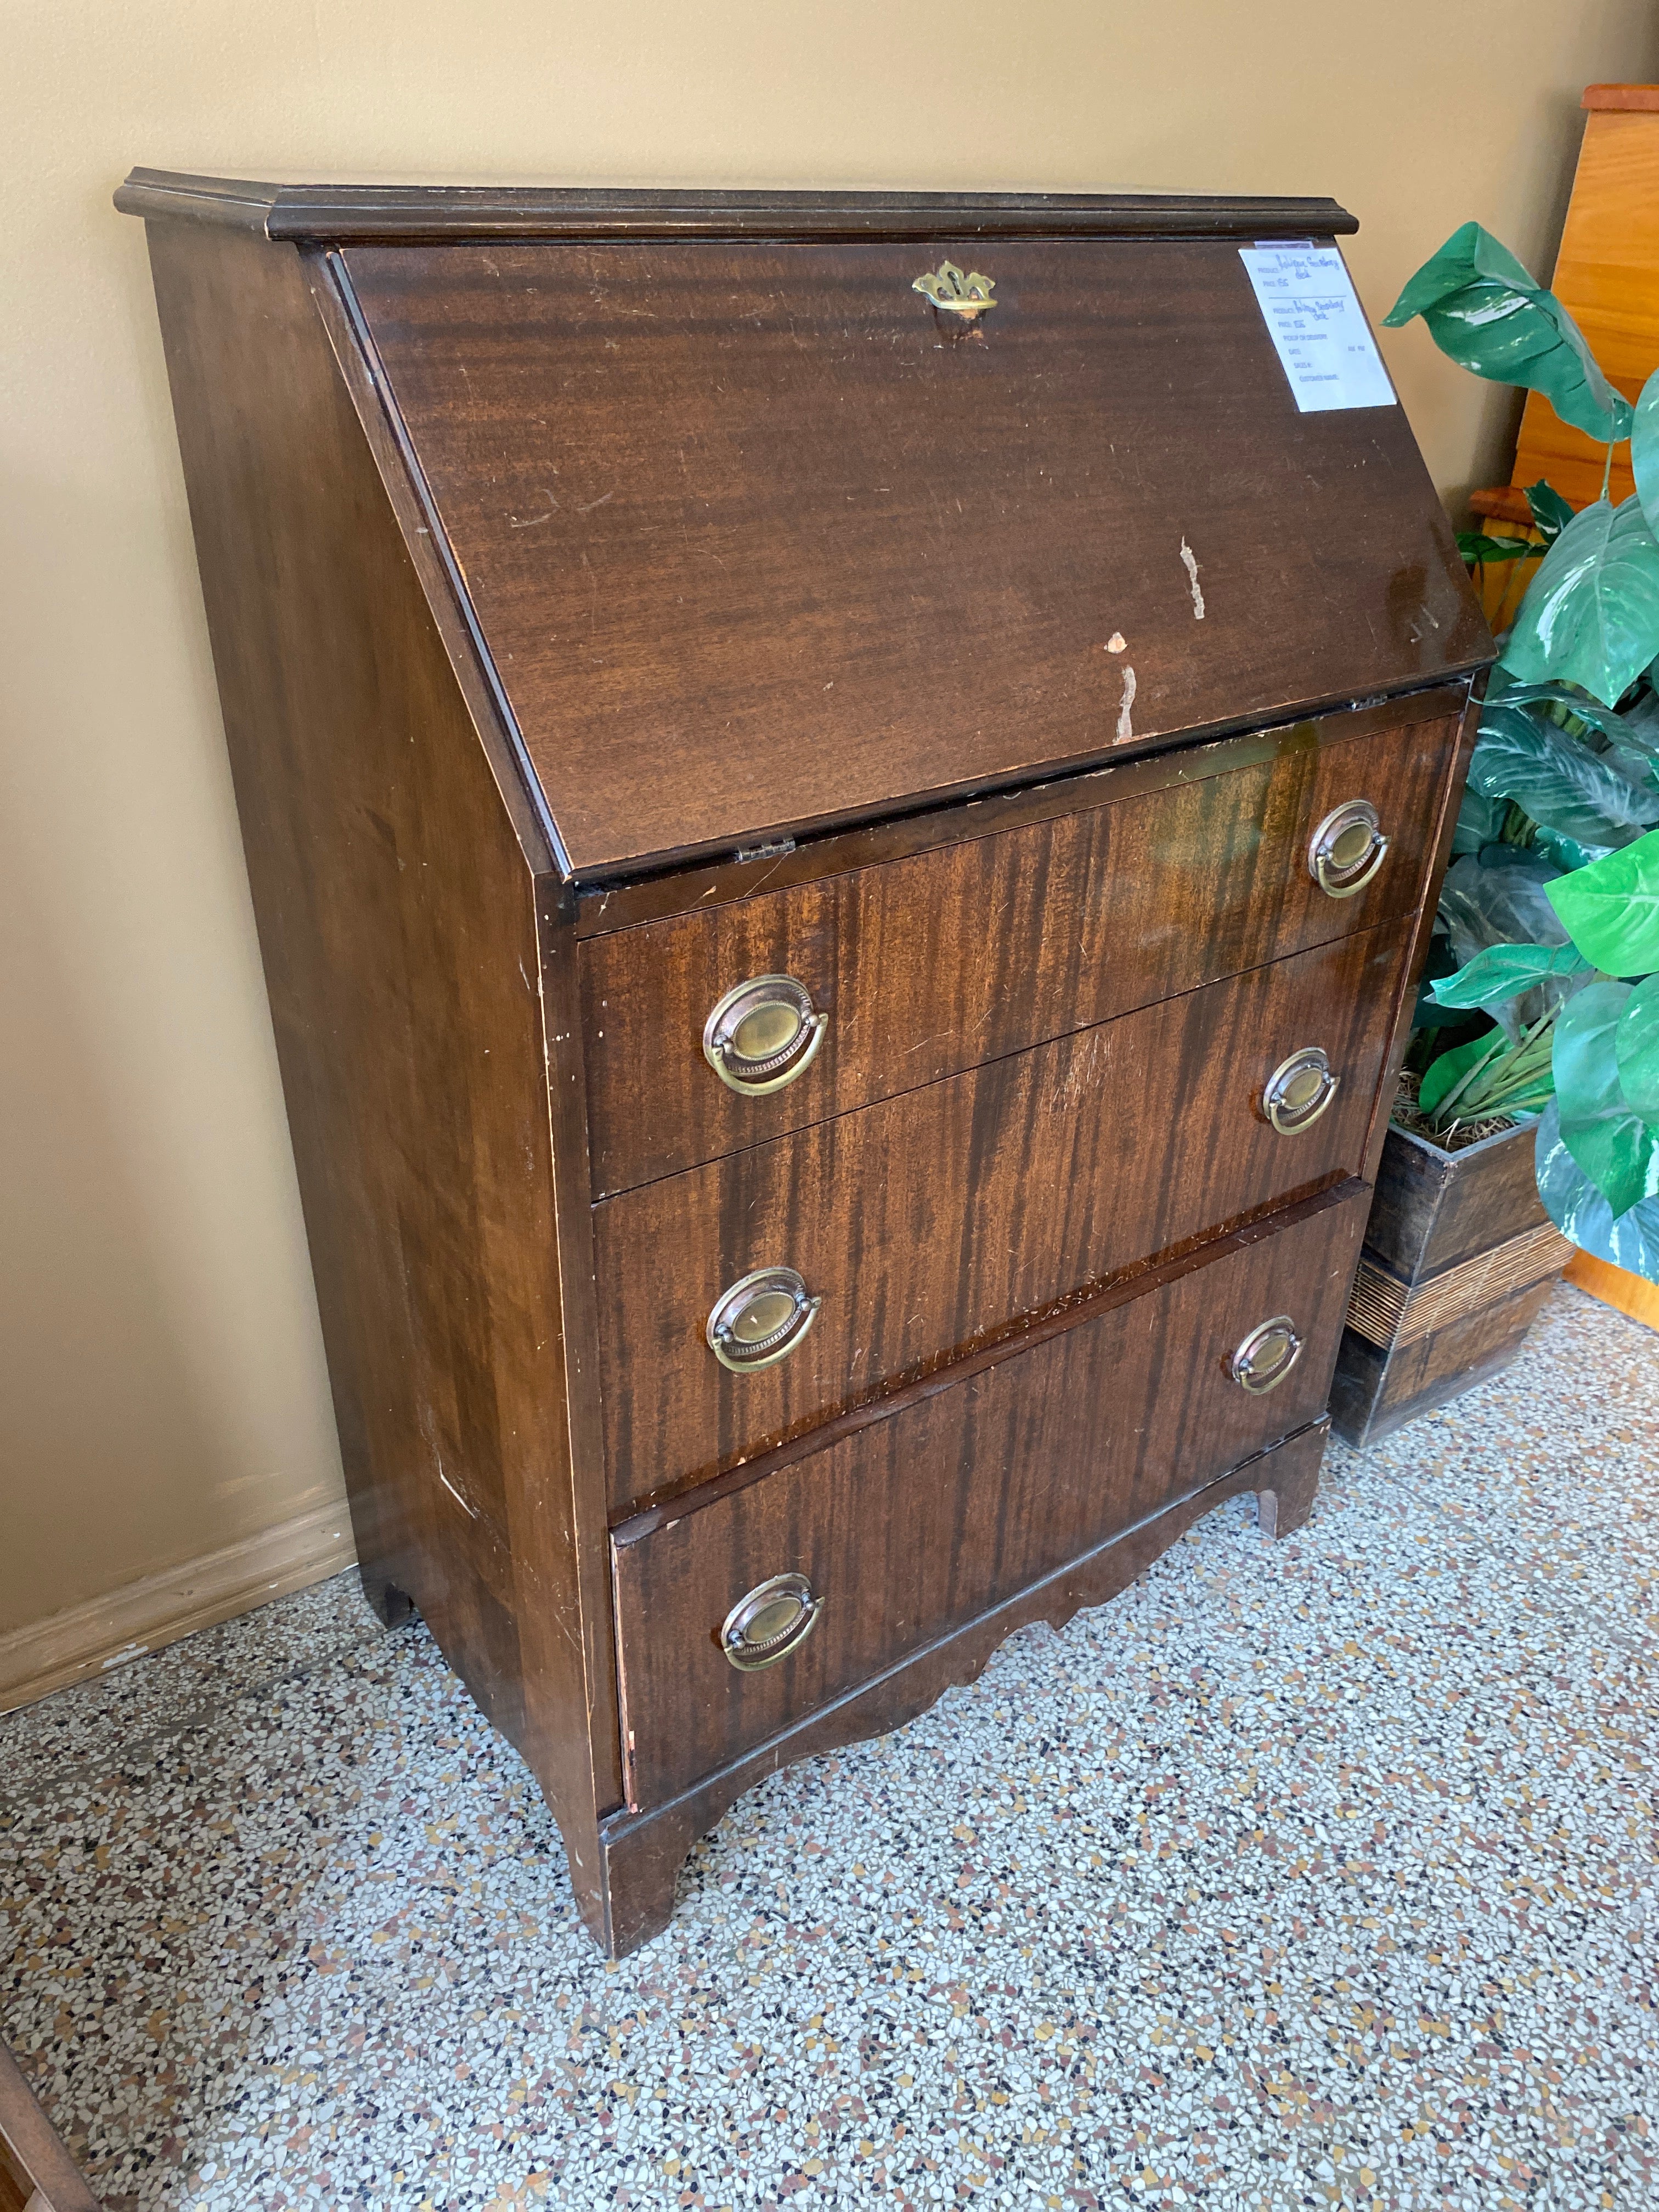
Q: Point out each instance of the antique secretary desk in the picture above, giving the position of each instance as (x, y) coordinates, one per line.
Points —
(843, 796)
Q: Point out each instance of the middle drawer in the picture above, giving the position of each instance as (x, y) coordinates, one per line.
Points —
(936, 1220)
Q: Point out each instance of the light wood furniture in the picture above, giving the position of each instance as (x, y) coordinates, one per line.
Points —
(1606, 276)
(1615, 1286)
(37, 2174)
(840, 875)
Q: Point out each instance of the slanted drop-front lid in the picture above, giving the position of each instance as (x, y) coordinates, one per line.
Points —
(761, 539)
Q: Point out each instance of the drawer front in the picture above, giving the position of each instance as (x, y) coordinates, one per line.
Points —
(929, 1222)
(913, 1525)
(929, 965)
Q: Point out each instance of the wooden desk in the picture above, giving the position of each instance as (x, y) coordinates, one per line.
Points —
(840, 882)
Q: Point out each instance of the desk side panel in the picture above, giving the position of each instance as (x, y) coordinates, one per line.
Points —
(397, 921)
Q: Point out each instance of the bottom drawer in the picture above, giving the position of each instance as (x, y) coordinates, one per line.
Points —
(912, 1523)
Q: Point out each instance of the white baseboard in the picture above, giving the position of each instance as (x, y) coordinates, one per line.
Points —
(144, 1616)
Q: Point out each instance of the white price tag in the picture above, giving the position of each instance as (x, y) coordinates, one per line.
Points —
(1317, 327)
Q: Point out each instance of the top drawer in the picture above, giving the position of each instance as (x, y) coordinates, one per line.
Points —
(926, 966)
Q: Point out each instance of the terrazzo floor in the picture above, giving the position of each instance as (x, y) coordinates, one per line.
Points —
(1311, 1873)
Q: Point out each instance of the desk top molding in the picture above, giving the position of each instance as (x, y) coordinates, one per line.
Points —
(363, 214)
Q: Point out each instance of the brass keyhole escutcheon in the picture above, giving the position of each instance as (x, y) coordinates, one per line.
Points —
(774, 1618)
(1348, 849)
(1267, 1356)
(966, 294)
(760, 1319)
(763, 1034)
(1298, 1091)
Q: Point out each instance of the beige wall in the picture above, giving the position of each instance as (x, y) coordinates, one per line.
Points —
(163, 1392)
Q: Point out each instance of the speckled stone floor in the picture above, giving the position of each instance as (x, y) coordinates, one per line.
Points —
(1313, 1874)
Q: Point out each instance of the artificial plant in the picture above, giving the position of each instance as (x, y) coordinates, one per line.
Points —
(1551, 908)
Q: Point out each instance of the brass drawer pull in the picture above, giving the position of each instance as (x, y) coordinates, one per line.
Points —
(1348, 849)
(760, 1320)
(1267, 1356)
(774, 1620)
(762, 1035)
(1298, 1091)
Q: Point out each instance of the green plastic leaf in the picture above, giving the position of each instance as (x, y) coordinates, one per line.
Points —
(1520, 755)
(1615, 1147)
(1635, 1048)
(1474, 546)
(1491, 316)
(1636, 767)
(1611, 910)
(1496, 896)
(1502, 970)
(1425, 1015)
(1440, 962)
(1644, 450)
(1637, 724)
(1566, 852)
(1550, 512)
(1607, 720)
(1445, 1074)
(1591, 613)
(1579, 1211)
(1480, 819)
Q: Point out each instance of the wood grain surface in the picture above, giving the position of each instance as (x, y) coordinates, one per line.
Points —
(756, 545)
(701, 887)
(917, 1524)
(398, 923)
(1096, 912)
(932, 1221)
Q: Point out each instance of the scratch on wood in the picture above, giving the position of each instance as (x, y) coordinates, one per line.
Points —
(530, 520)
(1083, 1073)
(466, 1503)
(1125, 726)
(759, 882)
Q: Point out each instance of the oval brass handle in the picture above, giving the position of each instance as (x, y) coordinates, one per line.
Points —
(1298, 1091)
(1348, 849)
(760, 1319)
(762, 1035)
(774, 1620)
(1267, 1356)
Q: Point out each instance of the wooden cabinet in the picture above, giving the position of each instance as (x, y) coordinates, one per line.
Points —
(841, 874)
(1607, 276)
